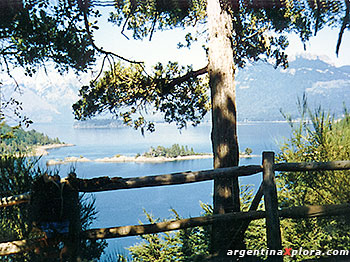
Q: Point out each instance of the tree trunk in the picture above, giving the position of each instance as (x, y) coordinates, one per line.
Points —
(224, 134)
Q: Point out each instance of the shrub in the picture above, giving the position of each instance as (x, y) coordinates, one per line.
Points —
(316, 137)
(17, 176)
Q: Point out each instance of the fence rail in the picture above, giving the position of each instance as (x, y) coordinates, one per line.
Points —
(116, 183)
(313, 166)
(135, 230)
(15, 200)
(271, 214)
(291, 212)
(106, 183)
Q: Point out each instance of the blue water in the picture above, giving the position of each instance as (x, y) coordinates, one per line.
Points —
(125, 207)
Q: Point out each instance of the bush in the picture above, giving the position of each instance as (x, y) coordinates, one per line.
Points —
(191, 244)
(316, 137)
(17, 176)
(248, 151)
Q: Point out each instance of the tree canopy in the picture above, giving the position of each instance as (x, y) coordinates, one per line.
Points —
(260, 32)
(35, 32)
(61, 33)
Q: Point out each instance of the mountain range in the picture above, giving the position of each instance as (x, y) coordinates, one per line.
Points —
(261, 91)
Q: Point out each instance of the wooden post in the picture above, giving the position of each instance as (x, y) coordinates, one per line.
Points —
(72, 205)
(239, 235)
(273, 232)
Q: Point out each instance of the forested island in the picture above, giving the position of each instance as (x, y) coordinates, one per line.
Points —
(174, 151)
(154, 155)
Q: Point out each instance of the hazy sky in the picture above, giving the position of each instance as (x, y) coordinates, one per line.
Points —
(163, 48)
(323, 45)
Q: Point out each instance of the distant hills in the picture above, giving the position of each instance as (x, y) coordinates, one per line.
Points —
(261, 92)
(99, 123)
(46, 99)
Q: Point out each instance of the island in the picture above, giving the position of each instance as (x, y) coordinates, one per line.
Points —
(158, 154)
(99, 124)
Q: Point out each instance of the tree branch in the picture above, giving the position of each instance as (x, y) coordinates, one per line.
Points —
(345, 23)
(87, 27)
(317, 16)
(101, 70)
(126, 21)
(9, 73)
(153, 25)
(181, 79)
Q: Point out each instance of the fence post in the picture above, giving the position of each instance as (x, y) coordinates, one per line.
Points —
(73, 207)
(273, 232)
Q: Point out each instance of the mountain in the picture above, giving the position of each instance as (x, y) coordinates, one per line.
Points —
(46, 99)
(262, 91)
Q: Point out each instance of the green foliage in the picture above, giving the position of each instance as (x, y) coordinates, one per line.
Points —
(255, 235)
(14, 108)
(143, 19)
(17, 176)
(35, 32)
(183, 245)
(317, 137)
(15, 139)
(192, 244)
(179, 93)
(258, 31)
(248, 151)
(128, 92)
(173, 151)
(116, 256)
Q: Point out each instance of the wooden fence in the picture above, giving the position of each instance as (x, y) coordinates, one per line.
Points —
(267, 189)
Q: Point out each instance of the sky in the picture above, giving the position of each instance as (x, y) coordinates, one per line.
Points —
(323, 45)
(163, 48)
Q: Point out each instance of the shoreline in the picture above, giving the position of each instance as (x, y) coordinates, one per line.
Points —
(206, 123)
(43, 150)
(139, 159)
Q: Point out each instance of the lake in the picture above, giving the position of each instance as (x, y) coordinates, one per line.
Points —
(125, 207)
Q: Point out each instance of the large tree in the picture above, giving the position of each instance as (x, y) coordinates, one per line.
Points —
(237, 32)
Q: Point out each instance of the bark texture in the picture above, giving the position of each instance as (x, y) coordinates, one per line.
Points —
(224, 134)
